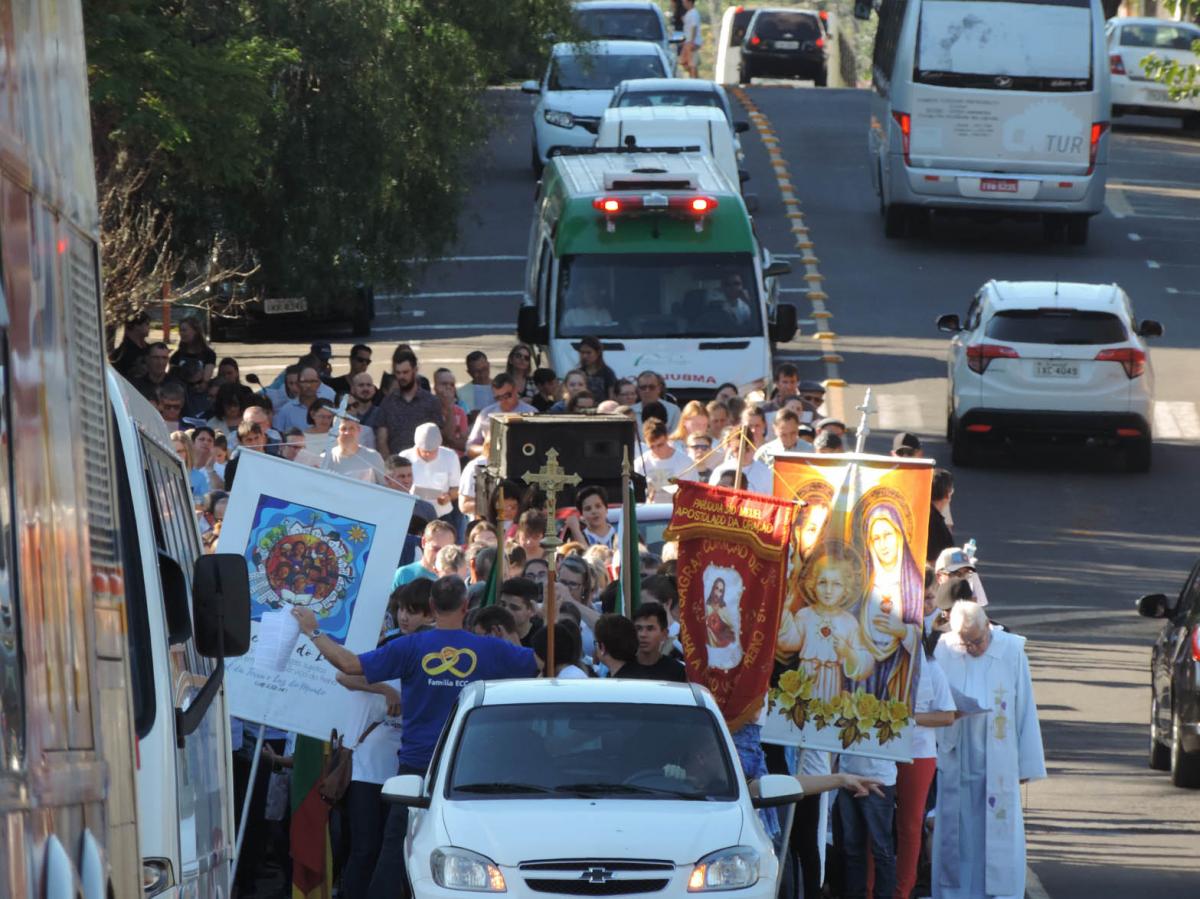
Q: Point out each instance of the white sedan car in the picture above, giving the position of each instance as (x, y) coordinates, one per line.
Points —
(1058, 361)
(587, 788)
(578, 86)
(1132, 40)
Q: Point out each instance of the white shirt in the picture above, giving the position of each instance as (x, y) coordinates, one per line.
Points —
(672, 414)
(756, 477)
(485, 415)
(572, 672)
(769, 450)
(933, 695)
(691, 27)
(374, 760)
(658, 471)
(466, 483)
(363, 465)
(442, 474)
(882, 770)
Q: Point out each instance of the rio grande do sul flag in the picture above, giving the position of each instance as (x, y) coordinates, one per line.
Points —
(849, 638)
(731, 571)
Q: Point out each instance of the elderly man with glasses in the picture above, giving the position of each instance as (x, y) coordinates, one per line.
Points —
(651, 389)
(983, 758)
(294, 413)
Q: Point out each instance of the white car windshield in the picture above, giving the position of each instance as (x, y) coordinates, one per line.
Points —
(1059, 326)
(672, 98)
(593, 750)
(620, 24)
(647, 295)
(601, 71)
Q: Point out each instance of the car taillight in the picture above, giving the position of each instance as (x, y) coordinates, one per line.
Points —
(755, 41)
(1098, 129)
(904, 121)
(820, 42)
(1116, 65)
(1196, 644)
(1132, 360)
(980, 355)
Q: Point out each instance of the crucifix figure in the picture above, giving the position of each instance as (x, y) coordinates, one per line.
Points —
(551, 478)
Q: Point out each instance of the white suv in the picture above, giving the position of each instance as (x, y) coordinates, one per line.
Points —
(1053, 360)
(587, 788)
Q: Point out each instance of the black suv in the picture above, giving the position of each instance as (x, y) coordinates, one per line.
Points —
(1174, 686)
(785, 44)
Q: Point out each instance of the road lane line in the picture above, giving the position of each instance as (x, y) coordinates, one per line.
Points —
(1117, 204)
(1176, 421)
(1150, 263)
(1133, 235)
(808, 258)
(899, 412)
(1033, 885)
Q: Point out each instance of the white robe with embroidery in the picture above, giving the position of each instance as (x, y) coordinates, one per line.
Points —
(979, 837)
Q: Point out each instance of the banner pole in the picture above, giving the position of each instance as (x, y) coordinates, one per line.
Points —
(864, 426)
(241, 831)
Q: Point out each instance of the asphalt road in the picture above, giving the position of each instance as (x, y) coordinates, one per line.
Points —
(1067, 541)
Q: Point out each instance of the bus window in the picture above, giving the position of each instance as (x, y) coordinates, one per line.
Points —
(12, 708)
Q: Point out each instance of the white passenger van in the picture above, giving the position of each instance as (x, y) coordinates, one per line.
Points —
(674, 126)
(184, 778)
(653, 253)
(990, 107)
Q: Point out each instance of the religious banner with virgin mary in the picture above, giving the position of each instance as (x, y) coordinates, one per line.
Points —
(850, 628)
(731, 573)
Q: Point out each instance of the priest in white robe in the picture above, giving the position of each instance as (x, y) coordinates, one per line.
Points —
(983, 758)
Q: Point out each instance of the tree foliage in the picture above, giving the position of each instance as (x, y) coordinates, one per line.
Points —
(319, 143)
(1182, 79)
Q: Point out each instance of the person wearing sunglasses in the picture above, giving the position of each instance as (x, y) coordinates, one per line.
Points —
(360, 361)
(520, 369)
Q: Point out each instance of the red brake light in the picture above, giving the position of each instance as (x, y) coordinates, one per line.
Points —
(1098, 129)
(1196, 644)
(904, 120)
(607, 204)
(824, 15)
(820, 42)
(980, 355)
(1132, 360)
(1116, 65)
(756, 40)
(702, 204)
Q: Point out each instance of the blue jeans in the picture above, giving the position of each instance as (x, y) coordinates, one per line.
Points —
(391, 874)
(864, 820)
(367, 817)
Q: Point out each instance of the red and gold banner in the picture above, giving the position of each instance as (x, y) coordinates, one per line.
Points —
(731, 570)
(850, 627)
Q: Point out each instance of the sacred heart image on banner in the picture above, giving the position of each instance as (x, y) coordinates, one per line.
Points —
(321, 540)
(731, 572)
(851, 623)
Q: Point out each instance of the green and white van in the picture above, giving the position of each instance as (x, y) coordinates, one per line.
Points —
(654, 253)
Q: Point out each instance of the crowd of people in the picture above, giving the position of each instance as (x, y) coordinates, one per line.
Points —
(429, 438)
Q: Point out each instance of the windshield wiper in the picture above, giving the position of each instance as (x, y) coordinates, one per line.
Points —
(599, 789)
(501, 788)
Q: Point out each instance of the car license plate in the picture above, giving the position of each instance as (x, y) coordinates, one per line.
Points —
(998, 185)
(787, 45)
(279, 305)
(1056, 369)
(1157, 96)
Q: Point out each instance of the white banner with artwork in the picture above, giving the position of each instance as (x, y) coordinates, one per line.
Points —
(316, 539)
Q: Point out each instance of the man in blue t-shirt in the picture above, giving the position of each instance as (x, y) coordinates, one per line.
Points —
(432, 666)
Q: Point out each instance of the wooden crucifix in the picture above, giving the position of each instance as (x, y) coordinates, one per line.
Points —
(551, 478)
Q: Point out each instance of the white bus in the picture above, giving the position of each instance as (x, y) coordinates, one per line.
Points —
(102, 638)
(992, 108)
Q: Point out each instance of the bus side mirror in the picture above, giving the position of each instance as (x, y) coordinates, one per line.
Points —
(777, 270)
(221, 605)
(529, 329)
(784, 327)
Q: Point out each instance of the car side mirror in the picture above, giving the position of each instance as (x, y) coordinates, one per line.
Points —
(221, 605)
(777, 789)
(530, 329)
(777, 270)
(175, 600)
(741, 127)
(785, 325)
(949, 324)
(1150, 328)
(1155, 605)
(405, 789)
(530, 87)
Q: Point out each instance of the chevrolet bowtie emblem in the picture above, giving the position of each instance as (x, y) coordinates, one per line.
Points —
(596, 875)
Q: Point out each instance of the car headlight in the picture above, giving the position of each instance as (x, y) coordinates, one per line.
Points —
(461, 869)
(727, 869)
(560, 118)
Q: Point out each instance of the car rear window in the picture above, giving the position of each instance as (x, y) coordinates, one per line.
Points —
(789, 25)
(620, 24)
(1159, 37)
(1061, 326)
(600, 71)
(671, 98)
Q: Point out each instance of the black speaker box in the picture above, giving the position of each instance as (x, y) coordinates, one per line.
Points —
(591, 446)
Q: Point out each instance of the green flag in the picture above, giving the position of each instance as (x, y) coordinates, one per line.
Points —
(491, 591)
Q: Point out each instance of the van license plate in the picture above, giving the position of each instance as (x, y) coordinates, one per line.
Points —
(1056, 369)
(998, 185)
(279, 305)
(787, 45)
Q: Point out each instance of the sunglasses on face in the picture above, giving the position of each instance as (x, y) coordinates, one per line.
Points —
(365, 360)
